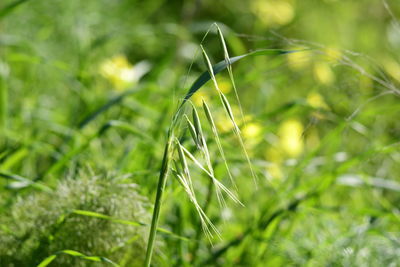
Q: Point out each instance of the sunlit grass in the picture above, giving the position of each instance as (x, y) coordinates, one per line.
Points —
(132, 128)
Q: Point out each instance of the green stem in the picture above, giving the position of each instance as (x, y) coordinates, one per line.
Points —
(157, 205)
(3, 103)
(162, 180)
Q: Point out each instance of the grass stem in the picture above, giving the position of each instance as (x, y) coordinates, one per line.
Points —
(3, 103)
(157, 205)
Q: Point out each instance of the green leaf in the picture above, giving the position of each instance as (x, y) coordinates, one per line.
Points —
(20, 182)
(220, 66)
(126, 222)
(114, 101)
(72, 253)
(77, 254)
(47, 261)
(10, 7)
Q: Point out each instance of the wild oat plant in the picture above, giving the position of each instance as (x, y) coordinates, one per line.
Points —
(176, 155)
(315, 166)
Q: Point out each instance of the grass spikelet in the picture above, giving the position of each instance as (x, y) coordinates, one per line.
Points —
(229, 68)
(197, 127)
(204, 149)
(224, 100)
(236, 130)
(177, 166)
(223, 44)
(229, 112)
(208, 63)
(192, 130)
(217, 140)
(210, 170)
(201, 139)
(184, 165)
(215, 180)
(182, 159)
(206, 223)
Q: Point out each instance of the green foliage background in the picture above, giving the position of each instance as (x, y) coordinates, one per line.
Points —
(321, 127)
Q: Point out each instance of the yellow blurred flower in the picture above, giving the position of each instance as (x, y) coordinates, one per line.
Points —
(223, 123)
(333, 54)
(251, 130)
(274, 171)
(273, 12)
(392, 67)
(323, 73)
(121, 73)
(224, 85)
(273, 154)
(316, 101)
(199, 96)
(299, 60)
(291, 140)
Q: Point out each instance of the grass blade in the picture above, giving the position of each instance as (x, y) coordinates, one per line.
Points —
(93, 214)
(64, 160)
(3, 102)
(126, 222)
(22, 182)
(77, 254)
(10, 7)
(220, 66)
(114, 101)
(47, 261)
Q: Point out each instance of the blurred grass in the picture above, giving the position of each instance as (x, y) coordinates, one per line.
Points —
(92, 85)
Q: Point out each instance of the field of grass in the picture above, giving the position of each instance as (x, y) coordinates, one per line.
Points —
(199, 133)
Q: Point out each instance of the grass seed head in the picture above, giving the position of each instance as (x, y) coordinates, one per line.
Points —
(192, 131)
(207, 62)
(197, 127)
(223, 44)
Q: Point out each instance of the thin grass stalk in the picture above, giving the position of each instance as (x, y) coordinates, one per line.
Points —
(3, 103)
(157, 205)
